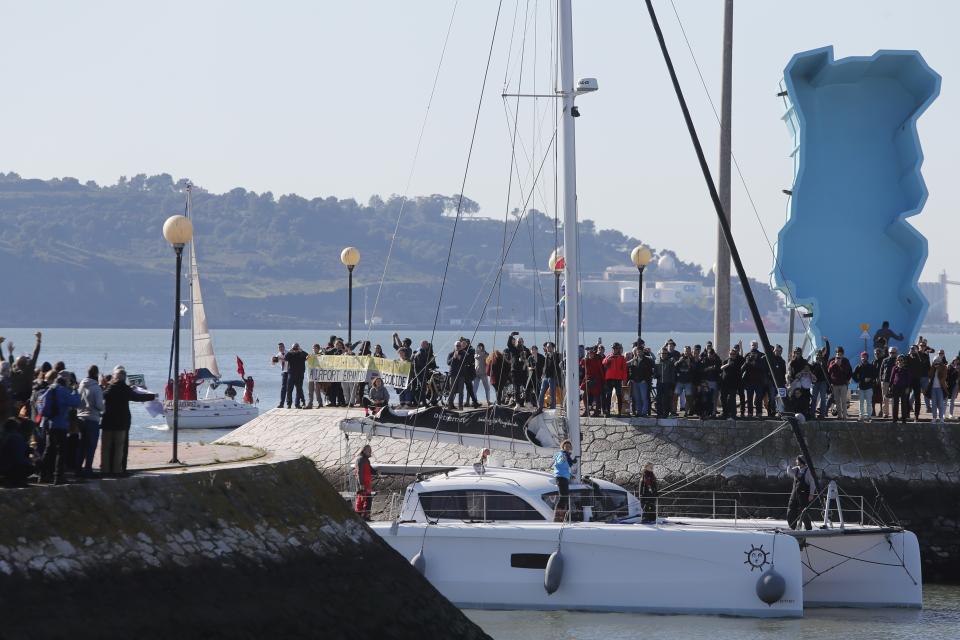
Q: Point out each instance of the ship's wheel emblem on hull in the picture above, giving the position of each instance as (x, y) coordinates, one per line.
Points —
(757, 558)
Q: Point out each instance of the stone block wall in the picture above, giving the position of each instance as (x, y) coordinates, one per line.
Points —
(256, 551)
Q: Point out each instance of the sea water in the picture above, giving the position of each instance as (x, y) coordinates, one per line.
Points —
(939, 618)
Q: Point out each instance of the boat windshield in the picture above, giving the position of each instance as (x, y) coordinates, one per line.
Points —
(477, 505)
(605, 504)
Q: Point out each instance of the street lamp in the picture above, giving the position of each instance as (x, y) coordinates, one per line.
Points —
(178, 231)
(556, 264)
(350, 257)
(640, 257)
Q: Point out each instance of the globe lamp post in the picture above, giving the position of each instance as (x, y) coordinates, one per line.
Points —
(178, 231)
(350, 257)
(556, 264)
(640, 257)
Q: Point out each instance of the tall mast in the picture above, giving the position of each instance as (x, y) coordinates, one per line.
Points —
(567, 89)
(190, 262)
(721, 300)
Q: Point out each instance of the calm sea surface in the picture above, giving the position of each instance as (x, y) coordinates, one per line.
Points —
(940, 618)
(147, 351)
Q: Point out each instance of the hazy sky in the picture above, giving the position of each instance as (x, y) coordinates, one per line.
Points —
(326, 98)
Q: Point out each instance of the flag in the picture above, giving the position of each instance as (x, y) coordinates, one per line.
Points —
(243, 374)
(183, 309)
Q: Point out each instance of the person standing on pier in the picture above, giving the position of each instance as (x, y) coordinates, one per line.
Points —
(840, 374)
(865, 375)
(91, 408)
(886, 369)
(364, 473)
(116, 422)
(296, 362)
(313, 381)
(279, 358)
(801, 495)
(901, 383)
(57, 401)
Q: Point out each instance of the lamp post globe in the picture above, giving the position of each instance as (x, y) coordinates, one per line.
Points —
(350, 257)
(641, 256)
(178, 230)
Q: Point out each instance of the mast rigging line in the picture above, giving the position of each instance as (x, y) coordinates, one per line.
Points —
(728, 235)
(413, 166)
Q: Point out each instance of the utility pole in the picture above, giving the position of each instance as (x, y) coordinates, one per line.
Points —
(721, 304)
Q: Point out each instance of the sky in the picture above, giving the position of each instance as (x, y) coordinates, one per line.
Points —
(328, 98)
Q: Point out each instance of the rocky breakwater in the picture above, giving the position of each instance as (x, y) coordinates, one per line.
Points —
(248, 551)
(904, 472)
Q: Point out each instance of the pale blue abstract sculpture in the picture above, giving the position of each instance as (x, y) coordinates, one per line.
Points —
(846, 252)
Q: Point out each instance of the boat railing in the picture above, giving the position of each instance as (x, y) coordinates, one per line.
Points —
(748, 505)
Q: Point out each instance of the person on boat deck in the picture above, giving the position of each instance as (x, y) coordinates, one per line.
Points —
(248, 390)
(552, 375)
(480, 357)
(278, 358)
(364, 472)
(562, 470)
(801, 495)
(230, 392)
(296, 360)
(648, 495)
(378, 396)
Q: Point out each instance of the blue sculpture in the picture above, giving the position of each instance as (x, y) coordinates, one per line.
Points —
(846, 252)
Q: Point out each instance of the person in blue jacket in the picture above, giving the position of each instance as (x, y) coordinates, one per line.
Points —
(54, 455)
(562, 470)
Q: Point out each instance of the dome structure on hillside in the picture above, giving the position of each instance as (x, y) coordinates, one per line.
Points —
(667, 264)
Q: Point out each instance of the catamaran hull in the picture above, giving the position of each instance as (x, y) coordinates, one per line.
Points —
(619, 567)
(856, 569)
(213, 414)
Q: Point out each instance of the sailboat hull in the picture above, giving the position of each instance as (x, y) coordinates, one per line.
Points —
(219, 413)
(606, 567)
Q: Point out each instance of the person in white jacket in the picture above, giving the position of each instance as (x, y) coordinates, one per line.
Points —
(89, 412)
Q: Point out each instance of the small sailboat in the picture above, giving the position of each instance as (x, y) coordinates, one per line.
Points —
(216, 409)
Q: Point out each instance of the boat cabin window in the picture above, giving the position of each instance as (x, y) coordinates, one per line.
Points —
(606, 504)
(477, 505)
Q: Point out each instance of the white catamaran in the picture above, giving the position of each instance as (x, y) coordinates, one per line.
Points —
(214, 410)
(486, 537)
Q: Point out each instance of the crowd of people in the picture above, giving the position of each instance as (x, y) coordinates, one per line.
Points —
(53, 421)
(693, 382)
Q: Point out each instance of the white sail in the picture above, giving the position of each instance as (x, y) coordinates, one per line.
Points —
(203, 355)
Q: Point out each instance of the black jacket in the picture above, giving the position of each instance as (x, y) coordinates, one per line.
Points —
(865, 375)
(779, 367)
(296, 363)
(116, 402)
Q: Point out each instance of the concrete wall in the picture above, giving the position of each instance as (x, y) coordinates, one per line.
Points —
(914, 469)
(259, 551)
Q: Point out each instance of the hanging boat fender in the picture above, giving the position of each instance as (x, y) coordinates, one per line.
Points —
(553, 573)
(771, 586)
(419, 563)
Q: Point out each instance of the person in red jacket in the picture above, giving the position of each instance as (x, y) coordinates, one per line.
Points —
(615, 374)
(593, 381)
(364, 473)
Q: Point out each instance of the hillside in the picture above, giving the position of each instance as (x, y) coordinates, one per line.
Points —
(85, 255)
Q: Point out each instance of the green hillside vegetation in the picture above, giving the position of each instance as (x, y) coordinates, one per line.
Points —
(88, 255)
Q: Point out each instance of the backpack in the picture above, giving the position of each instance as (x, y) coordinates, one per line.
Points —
(48, 405)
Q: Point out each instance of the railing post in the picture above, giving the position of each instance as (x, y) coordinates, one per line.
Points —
(714, 498)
